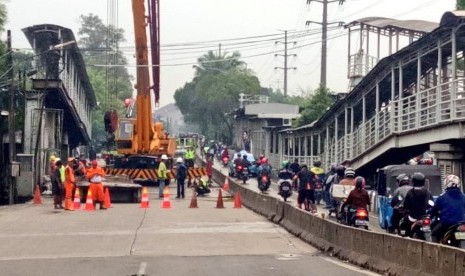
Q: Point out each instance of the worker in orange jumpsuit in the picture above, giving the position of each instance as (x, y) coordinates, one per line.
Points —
(95, 175)
(70, 182)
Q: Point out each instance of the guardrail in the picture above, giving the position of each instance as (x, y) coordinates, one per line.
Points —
(383, 253)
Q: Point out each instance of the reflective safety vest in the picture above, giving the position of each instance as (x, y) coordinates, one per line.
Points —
(189, 154)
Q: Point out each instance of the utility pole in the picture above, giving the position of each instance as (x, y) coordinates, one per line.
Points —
(11, 120)
(219, 50)
(324, 37)
(286, 55)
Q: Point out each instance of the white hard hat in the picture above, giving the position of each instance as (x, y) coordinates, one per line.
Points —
(179, 160)
(164, 157)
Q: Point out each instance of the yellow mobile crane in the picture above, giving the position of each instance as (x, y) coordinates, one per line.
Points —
(140, 135)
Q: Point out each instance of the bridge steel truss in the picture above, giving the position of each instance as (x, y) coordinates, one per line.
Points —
(410, 99)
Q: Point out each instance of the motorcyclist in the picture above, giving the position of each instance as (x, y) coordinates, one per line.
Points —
(285, 172)
(319, 178)
(349, 177)
(295, 167)
(263, 170)
(260, 158)
(306, 193)
(397, 201)
(416, 201)
(327, 183)
(449, 207)
(225, 153)
(340, 173)
(358, 197)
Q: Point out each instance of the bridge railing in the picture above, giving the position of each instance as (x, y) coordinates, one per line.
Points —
(412, 113)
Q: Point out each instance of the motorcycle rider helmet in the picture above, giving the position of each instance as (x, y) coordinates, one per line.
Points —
(349, 172)
(264, 160)
(359, 182)
(452, 181)
(317, 163)
(285, 164)
(418, 179)
(402, 179)
(179, 160)
(261, 156)
(333, 168)
(340, 170)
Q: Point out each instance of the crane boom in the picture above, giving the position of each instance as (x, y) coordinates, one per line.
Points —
(141, 135)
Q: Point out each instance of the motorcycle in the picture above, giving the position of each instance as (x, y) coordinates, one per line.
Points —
(455, 236)
(285, 188)
(242, 174)
(264, 183)
(356, 217)
(419, 228)
(225, 161)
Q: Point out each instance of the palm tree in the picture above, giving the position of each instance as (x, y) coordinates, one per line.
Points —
(215, 64)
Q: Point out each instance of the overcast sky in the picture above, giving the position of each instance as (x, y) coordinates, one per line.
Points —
(219, 20)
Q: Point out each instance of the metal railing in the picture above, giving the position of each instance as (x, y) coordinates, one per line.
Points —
(413, 113)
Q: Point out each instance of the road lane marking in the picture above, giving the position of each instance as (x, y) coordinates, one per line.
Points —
(350, 267)
(142, 268)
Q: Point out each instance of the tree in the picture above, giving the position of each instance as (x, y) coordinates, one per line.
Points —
(214, 92)
(315, 106)
(100, 45)
(460, 5)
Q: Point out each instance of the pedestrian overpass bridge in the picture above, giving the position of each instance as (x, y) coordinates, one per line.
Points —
(410, 102)
(58, 108)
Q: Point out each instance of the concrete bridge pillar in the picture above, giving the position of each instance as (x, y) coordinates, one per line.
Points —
(449, 159)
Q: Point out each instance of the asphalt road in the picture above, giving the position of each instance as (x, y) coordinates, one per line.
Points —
(128, 240)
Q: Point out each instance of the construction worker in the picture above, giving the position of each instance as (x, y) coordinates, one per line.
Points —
(95, 175)
(69, 182)
(57, 186)
(202, 188)
(181, 174)
(189, 158)
(162, 175)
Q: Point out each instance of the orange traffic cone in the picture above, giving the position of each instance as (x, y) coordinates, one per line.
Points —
(89, 202)
(219, 202)
(166, 198)
(226, 184)
(77, 200)
(144, 203)
(194, 201)
(37, 197)
(237, 200)
(106, 199)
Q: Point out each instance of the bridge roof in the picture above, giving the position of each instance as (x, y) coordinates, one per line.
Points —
(43, 36)
(421, 26)
(272, 110)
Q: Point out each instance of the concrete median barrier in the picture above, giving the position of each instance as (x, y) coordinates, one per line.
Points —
(384, 253)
